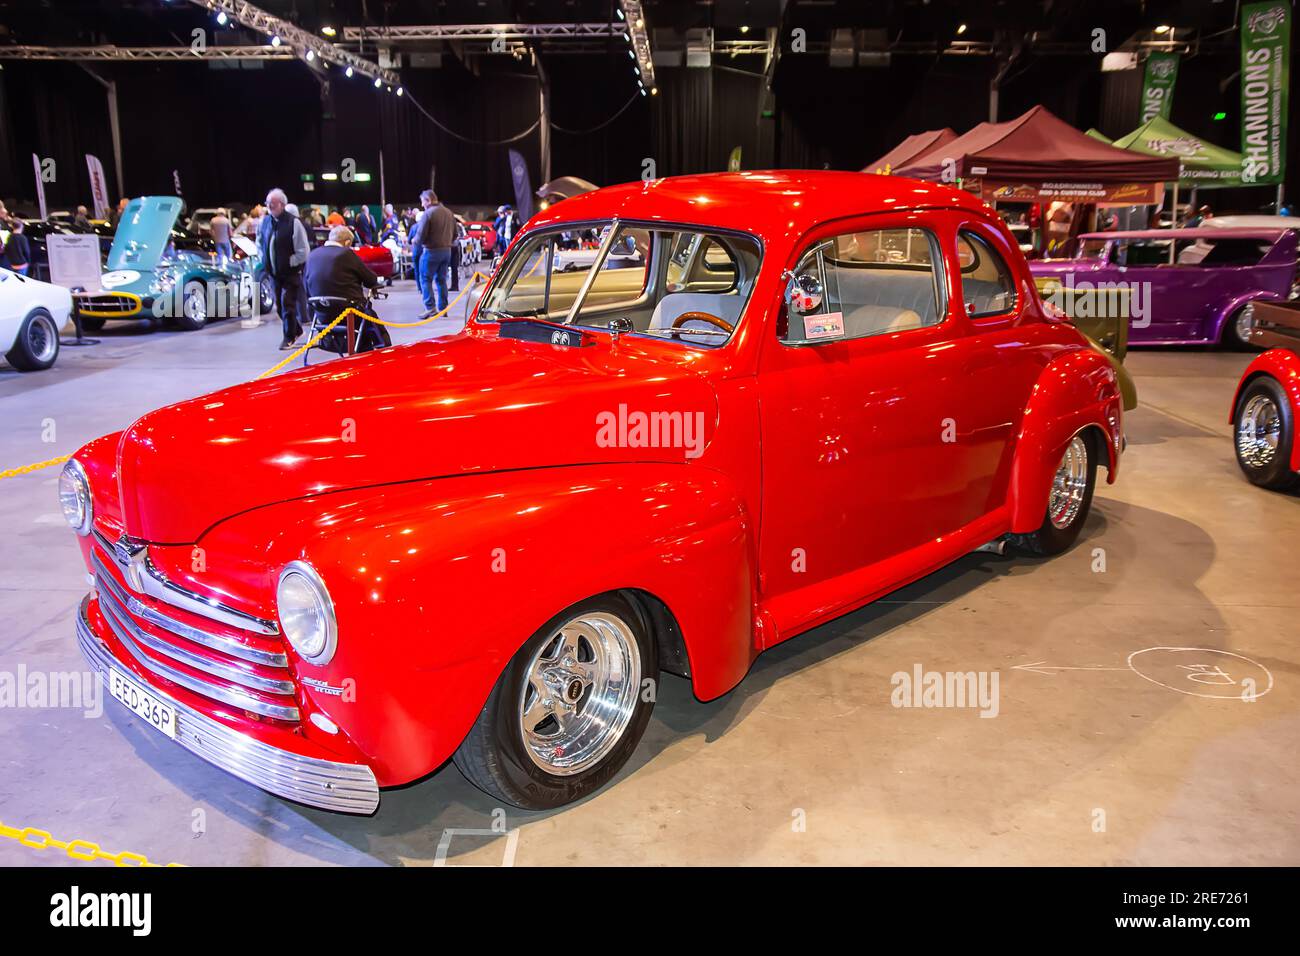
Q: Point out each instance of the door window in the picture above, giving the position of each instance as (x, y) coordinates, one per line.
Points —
(867, 283)
(986, 284)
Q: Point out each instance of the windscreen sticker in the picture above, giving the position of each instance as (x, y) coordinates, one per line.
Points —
(828, 326)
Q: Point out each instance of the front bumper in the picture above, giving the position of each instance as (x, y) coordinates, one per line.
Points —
(342, 787)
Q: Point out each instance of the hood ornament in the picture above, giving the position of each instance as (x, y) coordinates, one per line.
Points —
(131, 554)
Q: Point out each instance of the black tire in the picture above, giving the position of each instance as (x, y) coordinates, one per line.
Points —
(194, 306)
(1264, 434)
(265, 295)
(494, 755)
(37, 345)
(1232, 334)
(1061, 527)
(91, 323)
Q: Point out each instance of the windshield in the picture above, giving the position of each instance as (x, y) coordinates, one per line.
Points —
(685, 284)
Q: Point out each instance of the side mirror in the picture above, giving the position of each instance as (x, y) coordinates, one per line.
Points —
(803, 293)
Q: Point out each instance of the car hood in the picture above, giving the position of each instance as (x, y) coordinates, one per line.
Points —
(143, 233)
(462, 404)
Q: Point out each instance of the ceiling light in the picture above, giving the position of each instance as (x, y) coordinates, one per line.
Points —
(222, 18)
(378, 82)
(961, 28)
(348, 71)
(654, 91)
(329, 31)
(311, 55)
(275, 41)
(619, 11)
(631, 54)
(399, 91)
(1163, 29)
(744, 29)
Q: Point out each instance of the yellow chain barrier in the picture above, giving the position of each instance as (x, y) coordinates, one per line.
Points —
(25, 469)
(77, 849)
(311, 343)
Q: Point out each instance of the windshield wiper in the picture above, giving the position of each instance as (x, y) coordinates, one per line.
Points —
(525, 314)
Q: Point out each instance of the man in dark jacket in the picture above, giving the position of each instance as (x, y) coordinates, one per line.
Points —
(282, 240)
(18, 251)
(434, 234)
(335, 270)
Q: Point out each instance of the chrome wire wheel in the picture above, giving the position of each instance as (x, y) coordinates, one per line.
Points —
(42, 338)
(1245, 322)
(1069, 484)
(1259, 429)
(580, 693)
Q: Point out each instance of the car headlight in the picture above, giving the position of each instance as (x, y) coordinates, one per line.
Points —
(306, 612)
(164, 283)
(74, 497)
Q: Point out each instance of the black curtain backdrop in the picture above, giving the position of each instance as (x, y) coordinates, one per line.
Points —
(59, 112)
(233, 133)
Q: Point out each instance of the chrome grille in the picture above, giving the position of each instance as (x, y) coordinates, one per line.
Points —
(211, 664)
(107, 302)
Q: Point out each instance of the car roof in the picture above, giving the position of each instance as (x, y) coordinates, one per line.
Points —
(766, 202)
(1199, 232)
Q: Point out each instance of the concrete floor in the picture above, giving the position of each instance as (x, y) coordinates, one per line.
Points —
(1090, 760)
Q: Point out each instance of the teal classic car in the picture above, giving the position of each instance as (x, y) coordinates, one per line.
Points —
(156, 273)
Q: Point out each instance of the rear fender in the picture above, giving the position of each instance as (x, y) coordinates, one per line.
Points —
(1076, 391)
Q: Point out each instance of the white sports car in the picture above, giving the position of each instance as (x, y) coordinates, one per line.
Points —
(31, 314)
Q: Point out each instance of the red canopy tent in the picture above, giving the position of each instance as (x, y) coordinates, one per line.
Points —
(909, 149)
(1038, 157)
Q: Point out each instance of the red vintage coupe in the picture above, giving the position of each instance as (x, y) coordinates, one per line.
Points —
(770, 399)
(1267, 403)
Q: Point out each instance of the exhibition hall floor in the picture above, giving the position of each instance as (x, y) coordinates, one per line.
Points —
(1106, 746)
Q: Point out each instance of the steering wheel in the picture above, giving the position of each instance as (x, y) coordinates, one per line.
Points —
(712, 320)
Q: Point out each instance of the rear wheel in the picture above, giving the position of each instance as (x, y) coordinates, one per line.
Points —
(194, 306)
(1068, 502)
(1264, 430)
(1236, 331)
(37, 344)
(568, 711)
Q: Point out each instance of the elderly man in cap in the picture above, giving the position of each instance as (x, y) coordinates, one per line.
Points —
(283, 242)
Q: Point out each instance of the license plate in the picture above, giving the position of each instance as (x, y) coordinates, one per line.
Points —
(156, 712)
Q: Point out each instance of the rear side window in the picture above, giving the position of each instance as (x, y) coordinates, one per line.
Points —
(867, 283)
(986, 284)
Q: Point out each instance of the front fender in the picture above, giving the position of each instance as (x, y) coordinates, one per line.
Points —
(1283, 365)
(436, 584)
(1076, 390)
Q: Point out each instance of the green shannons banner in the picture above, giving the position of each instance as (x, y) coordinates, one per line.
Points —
(1265, 73)
(1158, 85)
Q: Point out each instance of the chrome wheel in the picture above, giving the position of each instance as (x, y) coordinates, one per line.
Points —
(580, 693)
(1259, 428)
(1069, 485)
(195, 304)
(42, 338)
(1245, 322)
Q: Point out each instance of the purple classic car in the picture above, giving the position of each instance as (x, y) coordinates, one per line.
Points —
(1177, 286)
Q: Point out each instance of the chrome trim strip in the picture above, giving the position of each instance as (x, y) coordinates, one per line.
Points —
(227, 695)
(156, 585)
(235, 673)
(216, 642)
(341, 787)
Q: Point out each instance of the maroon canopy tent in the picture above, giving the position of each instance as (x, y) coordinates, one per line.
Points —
(909, 149)
(1038, 157)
